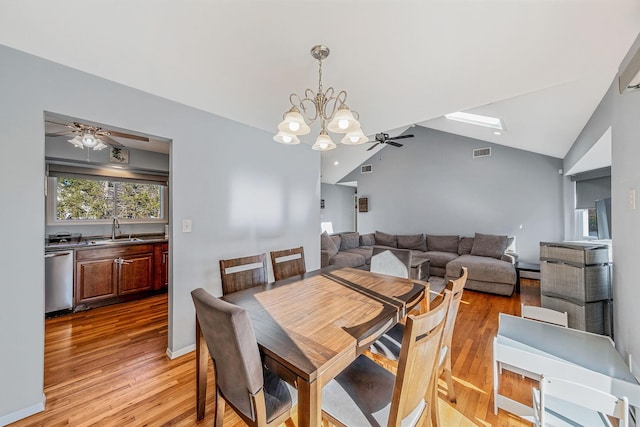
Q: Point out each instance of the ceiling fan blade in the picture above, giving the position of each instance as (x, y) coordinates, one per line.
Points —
(55, 134)
(110, 141)
(402, 137)
(373, 146)
(128, 136)
(395, 144)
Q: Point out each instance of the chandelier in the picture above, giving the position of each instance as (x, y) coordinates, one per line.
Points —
(327, 107)
(88, 137)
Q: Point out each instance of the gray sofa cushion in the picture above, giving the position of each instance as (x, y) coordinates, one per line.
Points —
(439, 259)
(367, 239)
(412, 241)
(349, 241)
(347, 259)
(385, 239)
(443, 243)
(466, 243)
(326, 243)
(336, 241)
(489, 245)
(483, 269)
(365, 251)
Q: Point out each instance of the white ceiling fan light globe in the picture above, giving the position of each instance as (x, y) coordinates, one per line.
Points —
(89, 140)
(76, 141)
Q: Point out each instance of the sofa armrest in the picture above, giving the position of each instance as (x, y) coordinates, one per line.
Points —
(324, 258)
(511, 257)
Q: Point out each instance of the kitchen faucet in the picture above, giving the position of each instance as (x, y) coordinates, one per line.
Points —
(115, 224)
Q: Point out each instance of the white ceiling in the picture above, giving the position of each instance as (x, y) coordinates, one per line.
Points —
(540, 65)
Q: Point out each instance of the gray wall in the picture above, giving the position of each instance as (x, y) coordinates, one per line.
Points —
(339, 206)
(231, 180)
(433, 185)
(621, 112)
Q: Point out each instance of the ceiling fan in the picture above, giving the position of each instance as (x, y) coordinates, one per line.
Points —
(383, 138)
(94, 137)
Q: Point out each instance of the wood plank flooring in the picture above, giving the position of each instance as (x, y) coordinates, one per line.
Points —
(107, 367)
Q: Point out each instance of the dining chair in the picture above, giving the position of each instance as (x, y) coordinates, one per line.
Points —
(288, 263)
(388, 348)
(366, 394)
(242, 273)
(544, 315)
(258, 396)
(397, 262)
(559, 402)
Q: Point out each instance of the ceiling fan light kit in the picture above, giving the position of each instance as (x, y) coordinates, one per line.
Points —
(327, 107)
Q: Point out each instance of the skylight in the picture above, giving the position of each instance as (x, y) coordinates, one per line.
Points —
(475, 119)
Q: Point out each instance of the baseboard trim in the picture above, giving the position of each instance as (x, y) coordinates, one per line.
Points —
(181, 352)
(22, 413)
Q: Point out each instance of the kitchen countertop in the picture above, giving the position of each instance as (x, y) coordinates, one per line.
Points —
(94, 242)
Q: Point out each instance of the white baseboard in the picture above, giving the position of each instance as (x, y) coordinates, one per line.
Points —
(181, 352)
(22, 413)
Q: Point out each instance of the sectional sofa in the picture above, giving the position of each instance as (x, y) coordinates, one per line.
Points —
(490, 259)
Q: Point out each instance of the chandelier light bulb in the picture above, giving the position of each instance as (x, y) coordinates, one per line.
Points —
(294, 126)
(324, 142)
(343, 124)
(286, 138)
(355, 138)
(343, 121)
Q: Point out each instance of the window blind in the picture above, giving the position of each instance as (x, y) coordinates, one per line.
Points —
(590, 190)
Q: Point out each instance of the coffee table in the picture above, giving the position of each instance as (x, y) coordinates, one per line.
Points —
(524, 266)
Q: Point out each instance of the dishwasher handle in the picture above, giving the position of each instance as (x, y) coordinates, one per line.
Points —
(55, 254)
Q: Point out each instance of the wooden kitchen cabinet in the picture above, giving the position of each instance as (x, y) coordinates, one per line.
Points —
(161, 266)
(103, 275)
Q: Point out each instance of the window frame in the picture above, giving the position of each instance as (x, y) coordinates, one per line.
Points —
(51, 206)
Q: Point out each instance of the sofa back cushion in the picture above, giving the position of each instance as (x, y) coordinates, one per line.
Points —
(412, 241)
(385, 239)
(337, 241)
(327, 244)
(466, 243)
(349, 241)
(443, 243)
(489, 245)
(367, 239)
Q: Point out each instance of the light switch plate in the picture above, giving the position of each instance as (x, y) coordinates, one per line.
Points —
(186, 226)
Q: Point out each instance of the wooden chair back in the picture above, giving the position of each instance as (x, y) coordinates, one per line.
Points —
(415, 377)
(243, 273)
(393, 262)
(544, 315)
(562, 397)
(288, 263)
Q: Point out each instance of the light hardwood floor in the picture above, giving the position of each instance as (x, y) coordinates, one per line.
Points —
(108, 367)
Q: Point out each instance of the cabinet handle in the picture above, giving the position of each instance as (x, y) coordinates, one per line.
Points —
(124, 261)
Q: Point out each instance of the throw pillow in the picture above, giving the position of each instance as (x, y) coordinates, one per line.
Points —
(443, 243)
(385, 239)
(326, 244)
(349, 241)
(466, 243)
(489, 245)
(367, 239)
(413, 241)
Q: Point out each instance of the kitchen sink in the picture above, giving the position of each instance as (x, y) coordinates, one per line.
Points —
(102, 242)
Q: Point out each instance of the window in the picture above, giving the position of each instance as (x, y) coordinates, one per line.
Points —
(87, 199)
(589, 223)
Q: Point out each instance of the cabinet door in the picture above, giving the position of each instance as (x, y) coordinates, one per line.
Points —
(165, 269)
(135, 274)
(95, 280)
(161, 254)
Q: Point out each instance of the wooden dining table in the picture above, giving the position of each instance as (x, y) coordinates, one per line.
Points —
(310, 327)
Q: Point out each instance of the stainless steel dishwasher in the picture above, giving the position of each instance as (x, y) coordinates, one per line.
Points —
(58, 281)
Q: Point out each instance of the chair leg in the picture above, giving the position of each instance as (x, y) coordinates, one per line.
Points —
(434, 412)
(220, 404)
(451, 393)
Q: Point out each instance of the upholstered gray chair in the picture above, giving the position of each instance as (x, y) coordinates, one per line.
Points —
(258, 396)
(366, 394)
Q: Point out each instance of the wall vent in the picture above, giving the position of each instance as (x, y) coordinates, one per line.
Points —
(366, 169)
(481, 152)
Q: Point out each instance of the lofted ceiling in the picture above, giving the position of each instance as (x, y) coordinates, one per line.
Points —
(540, 65)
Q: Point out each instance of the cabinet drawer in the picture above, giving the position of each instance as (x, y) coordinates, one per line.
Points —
(113, 252)
(588, 284)
(589, 317)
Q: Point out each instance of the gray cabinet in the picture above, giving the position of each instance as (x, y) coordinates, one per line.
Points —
(576, 277)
